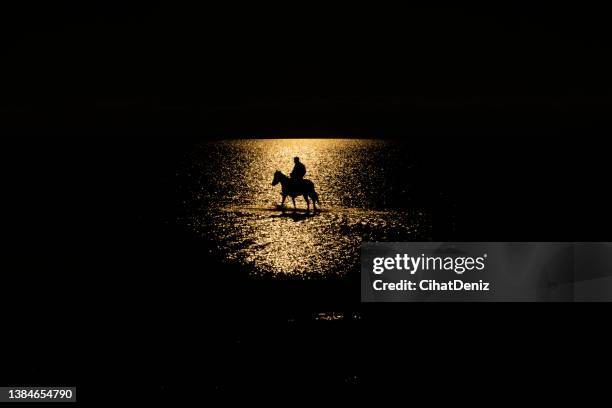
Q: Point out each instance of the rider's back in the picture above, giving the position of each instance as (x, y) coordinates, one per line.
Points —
(299, 171)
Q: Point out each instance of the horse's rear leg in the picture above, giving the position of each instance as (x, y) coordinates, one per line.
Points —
(307, 203)
(294, 206)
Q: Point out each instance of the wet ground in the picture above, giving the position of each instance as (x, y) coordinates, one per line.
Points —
(275, 290)
(364, 186)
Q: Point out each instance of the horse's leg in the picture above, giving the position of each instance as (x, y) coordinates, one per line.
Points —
(294, 206)
(314, 203)
(307, 203)
(283, 203)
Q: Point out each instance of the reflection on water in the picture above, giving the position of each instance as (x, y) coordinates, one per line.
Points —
(363, 185)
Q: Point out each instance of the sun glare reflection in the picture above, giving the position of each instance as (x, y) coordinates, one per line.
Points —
(233, 203)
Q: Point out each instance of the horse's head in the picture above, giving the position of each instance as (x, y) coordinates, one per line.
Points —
(277, 178)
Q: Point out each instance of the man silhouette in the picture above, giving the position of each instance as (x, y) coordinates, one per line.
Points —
(298, 173)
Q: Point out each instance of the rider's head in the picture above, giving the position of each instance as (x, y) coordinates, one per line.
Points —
(296, 159)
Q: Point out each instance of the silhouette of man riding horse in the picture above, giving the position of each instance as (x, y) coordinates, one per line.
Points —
(296, 185)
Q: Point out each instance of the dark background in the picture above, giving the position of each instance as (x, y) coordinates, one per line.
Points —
(509, 107)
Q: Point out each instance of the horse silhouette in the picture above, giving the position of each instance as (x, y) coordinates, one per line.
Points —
(293, 188)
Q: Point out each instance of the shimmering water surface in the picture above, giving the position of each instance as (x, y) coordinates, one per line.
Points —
(364, 185)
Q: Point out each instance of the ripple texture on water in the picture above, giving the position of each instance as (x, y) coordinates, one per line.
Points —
(365, 191)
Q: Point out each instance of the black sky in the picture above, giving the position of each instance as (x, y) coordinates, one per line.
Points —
(167, 63)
